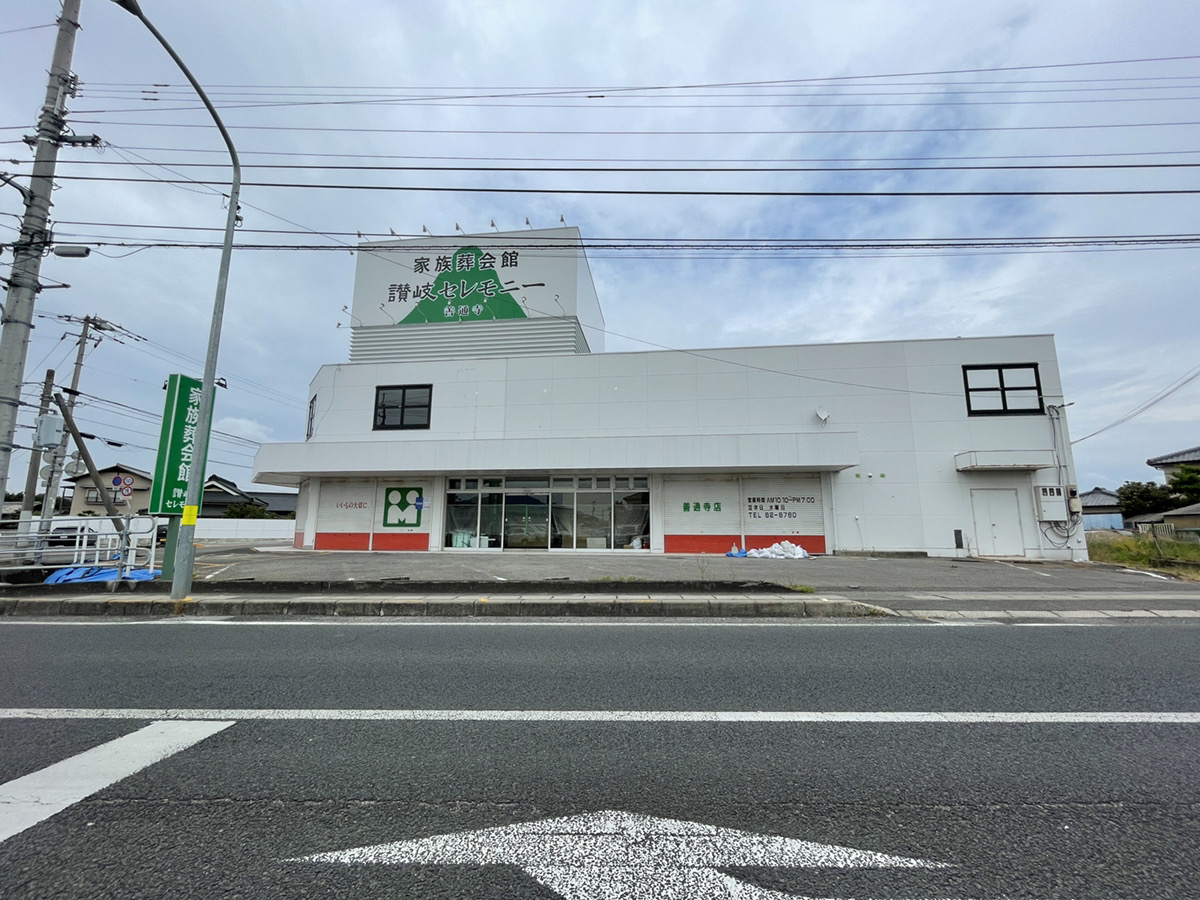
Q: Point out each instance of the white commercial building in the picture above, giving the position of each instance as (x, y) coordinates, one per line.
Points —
(477, 412)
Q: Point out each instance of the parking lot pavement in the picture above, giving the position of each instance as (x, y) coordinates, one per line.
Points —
(266, 579)
(245, 563)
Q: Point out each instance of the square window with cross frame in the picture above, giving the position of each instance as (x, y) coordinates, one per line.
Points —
(1004, 390)
(403, 406)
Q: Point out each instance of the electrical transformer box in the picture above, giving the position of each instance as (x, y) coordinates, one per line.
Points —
(1050, 501)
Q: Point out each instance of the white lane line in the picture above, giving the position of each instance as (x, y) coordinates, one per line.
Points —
(615, 715)
(219, 571)
(32, 798)
(1023, 568)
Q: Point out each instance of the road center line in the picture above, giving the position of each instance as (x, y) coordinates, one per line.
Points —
(32, 798)
(225, 716)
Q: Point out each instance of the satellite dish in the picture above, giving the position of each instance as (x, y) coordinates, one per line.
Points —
(822, 414)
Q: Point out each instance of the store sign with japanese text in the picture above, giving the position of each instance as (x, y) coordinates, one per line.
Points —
(176, 443)
(469, 279)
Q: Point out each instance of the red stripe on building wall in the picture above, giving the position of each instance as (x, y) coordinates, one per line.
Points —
(720, 543)
(342, 540)
(699, 543)
(400, 540)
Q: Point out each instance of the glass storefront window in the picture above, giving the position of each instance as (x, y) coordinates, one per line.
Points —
(491, 519)
(462, 519)
(562, 520)
(593, 520)
(631, 519)
(527, 481)
(582, 513)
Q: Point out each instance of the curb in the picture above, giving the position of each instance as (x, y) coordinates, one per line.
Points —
(400, 586)
(449, 606)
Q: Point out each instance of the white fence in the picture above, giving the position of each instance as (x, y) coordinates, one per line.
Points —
(245, 529)
(65, 542)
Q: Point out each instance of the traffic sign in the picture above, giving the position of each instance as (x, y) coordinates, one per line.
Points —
(620, 854)
(74, 468)
(127, 480)
(44, 472)
(126, 491)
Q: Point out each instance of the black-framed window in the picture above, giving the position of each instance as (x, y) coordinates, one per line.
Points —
(402, 406)
(1006, 390)
(312, 417)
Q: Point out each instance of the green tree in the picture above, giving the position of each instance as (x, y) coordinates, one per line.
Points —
(246, 511)
(1141, 497)
(1184, 486)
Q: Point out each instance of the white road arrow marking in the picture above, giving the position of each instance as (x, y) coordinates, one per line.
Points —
(614, 855)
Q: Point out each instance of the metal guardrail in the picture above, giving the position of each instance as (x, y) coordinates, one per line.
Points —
(70, 541)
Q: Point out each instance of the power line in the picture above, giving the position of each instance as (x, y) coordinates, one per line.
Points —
(594, 242)
(1140, 192)
(29, 28)
(654, 170)
(1146, 405)
(775, 82)
(561, 132)
(623, 106)
(586, 159)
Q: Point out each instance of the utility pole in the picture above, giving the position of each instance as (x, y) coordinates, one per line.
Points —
(35, 237)
(56, 462)
(69, 421)
(35, 455)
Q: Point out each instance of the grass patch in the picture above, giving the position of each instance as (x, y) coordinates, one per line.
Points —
(801, 588)
(1141, 551)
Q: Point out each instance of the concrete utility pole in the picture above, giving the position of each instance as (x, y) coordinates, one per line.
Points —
(31, 479)
(56, 462)
(69, 421)
(35, 237)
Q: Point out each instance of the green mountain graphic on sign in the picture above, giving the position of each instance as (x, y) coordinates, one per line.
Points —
(469, 291)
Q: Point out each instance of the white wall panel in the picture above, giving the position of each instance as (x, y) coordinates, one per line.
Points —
(346, 505)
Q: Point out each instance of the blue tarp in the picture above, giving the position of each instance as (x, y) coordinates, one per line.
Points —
(76, 574)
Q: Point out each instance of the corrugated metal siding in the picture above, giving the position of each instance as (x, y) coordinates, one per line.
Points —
(790, 504)
(682, 496)
(466, 340)
(767, 504)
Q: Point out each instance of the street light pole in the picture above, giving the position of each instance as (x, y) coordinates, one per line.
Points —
(185, 548)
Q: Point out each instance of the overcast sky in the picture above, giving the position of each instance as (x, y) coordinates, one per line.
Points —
(920, 96)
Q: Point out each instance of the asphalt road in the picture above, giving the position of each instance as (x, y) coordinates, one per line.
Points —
(665, 723)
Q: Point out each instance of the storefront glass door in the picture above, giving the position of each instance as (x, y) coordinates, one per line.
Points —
(527, 521)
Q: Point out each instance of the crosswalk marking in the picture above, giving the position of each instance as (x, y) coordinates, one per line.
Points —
(32, 798)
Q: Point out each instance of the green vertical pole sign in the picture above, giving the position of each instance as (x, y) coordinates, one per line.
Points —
(181, 418)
